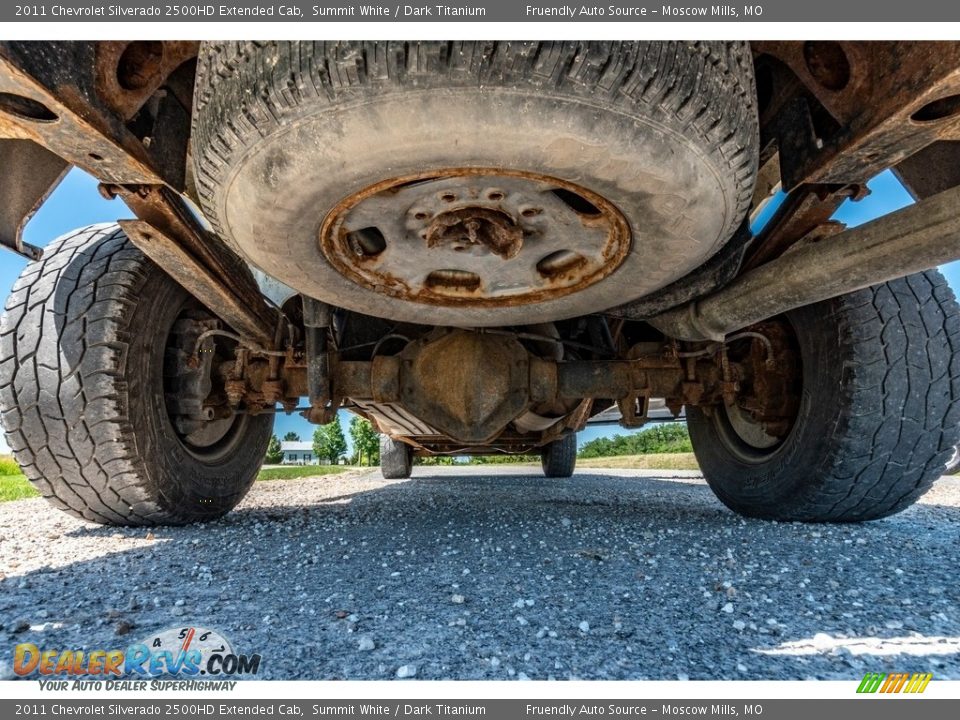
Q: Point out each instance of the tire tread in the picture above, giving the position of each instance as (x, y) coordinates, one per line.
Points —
(559, 458)
(247, 90)
(70, 428)
(898, 344)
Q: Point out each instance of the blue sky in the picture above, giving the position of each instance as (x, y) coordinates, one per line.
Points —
(76, 203)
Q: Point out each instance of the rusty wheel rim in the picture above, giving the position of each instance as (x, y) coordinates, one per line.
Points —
(211, 441)
(761, 420)
(475, 237)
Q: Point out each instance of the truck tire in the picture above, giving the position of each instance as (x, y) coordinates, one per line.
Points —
(878, 418)
(559, 458)
(287, 135)
(82, 378)
(396, 459)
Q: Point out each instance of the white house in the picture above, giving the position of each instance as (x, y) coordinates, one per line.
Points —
(297, 453)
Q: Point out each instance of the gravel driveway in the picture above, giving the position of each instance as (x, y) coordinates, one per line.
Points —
(490, 572)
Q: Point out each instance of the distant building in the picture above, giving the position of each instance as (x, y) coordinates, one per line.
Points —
(297, 453)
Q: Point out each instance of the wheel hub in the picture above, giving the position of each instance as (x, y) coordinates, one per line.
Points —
(475, 237)
(476, 230)
(761, 416)
(197, 409)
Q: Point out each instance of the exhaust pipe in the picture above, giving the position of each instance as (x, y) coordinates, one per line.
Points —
(908, 241)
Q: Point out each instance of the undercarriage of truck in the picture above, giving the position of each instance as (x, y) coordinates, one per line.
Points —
(482, 247)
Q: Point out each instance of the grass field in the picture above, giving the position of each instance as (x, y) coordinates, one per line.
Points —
(8, 466)
(14, 485)
(653, 461)
(300, 471)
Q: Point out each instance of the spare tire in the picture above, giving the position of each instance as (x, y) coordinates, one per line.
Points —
(475, 183)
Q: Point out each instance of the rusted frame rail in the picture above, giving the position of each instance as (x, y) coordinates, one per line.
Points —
(87, 132)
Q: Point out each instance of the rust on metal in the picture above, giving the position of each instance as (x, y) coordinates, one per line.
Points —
(198, 280)
(472, 387)
(634, 409)
(66, 124)
(128, 73)
(908, 241)
(468, 385)
(470, 227)
(28, 174)
(576, 420)
(895, 101)
(481, 220)
(932, 170)
(77, 102)
(804, 215)
(771, 376)
(833, 114)
(165, 211)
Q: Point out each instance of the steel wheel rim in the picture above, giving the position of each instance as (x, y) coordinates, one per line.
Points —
(475, 237)
(745, 436)
(219, 438)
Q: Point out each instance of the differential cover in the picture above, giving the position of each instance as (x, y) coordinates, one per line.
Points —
(468, 385)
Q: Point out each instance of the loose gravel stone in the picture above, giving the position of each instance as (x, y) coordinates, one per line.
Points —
(646, 560)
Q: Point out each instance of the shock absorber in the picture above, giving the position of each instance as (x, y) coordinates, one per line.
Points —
(316, 322)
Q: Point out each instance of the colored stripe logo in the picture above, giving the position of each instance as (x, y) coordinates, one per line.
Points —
(894, 682)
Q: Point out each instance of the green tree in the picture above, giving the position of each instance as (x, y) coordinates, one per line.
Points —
(274, 453)
(435, 460)
(502, 459)
(291, 437)
(366, 440)
(329, 442)
(666, 438)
